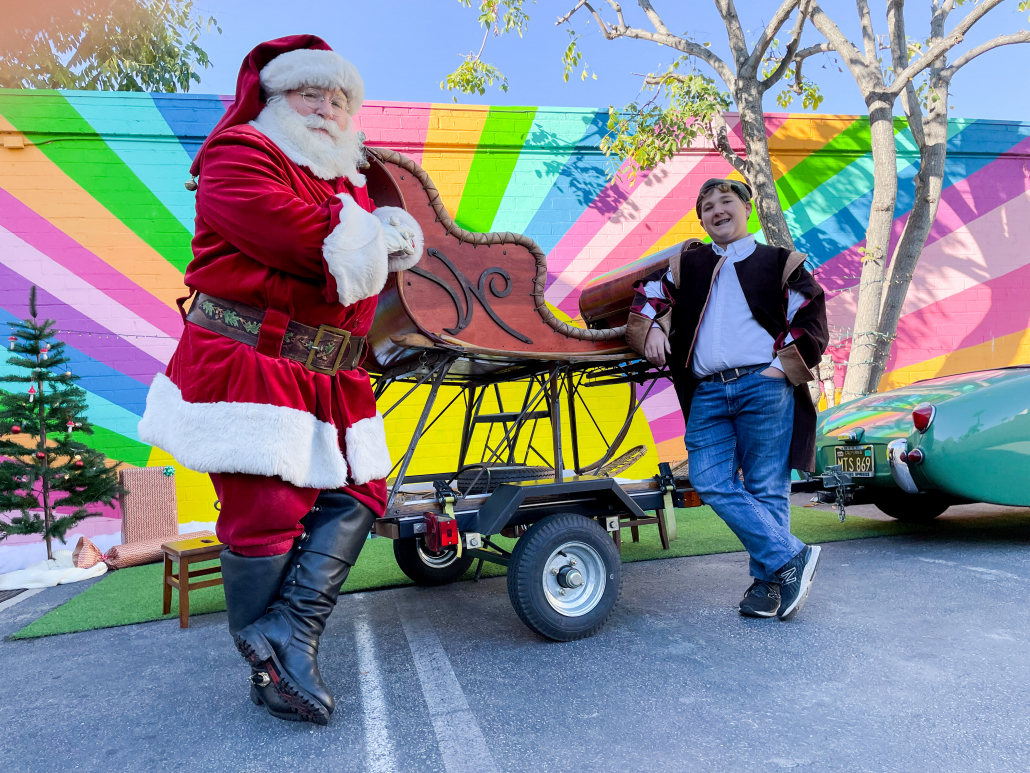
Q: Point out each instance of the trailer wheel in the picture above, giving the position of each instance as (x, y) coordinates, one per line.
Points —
(564, 577)
(425, 567)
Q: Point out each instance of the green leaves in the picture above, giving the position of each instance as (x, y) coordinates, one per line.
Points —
(472, 77)
(110, 45)
(572, 57)
(648, 134)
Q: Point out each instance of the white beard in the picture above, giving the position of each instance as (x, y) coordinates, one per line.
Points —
(327, 156)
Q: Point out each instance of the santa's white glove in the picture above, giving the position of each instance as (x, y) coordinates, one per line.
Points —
(400, 239)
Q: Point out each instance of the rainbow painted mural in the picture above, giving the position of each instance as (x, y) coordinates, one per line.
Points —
(93, 210)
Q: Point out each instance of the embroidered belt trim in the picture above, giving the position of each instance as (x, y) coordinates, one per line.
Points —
(322, 349)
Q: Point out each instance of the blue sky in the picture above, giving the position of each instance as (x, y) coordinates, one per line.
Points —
(404, 48)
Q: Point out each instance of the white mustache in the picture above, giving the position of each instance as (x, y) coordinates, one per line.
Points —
(318, 122)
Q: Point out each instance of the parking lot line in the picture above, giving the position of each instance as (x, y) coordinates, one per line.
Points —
(379, 756)
(458, 734)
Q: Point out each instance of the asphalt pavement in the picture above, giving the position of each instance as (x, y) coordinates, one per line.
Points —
(912, 655)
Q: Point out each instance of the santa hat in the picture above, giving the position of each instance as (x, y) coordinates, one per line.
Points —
(280, 65)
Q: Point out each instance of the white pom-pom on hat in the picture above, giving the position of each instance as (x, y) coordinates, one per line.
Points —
(311, 67)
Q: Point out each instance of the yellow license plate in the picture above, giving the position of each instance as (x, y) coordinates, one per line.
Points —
(856, 460)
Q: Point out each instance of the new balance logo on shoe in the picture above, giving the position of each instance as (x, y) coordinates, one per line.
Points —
(796, 580)
(789, 577)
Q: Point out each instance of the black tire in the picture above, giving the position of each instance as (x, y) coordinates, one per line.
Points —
(535, 596)
(427, 568)
(911, 508)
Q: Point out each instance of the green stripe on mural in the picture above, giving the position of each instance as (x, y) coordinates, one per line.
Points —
(843, 150)
(504, 133)
(115, 446)
(46, 118)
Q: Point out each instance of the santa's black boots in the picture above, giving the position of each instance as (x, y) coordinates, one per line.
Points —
(251, 585)
(284, 642)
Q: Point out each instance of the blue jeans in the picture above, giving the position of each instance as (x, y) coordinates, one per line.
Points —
(747, 424)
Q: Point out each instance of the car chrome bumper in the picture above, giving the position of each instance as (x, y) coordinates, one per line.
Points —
(899, 469)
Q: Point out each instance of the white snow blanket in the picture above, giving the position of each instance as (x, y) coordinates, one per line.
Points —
(46, 574)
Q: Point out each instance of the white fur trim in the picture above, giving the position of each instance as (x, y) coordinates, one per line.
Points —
(243, 437)
(403, 262)
(310, 67)
(356, 253)
(366, 450)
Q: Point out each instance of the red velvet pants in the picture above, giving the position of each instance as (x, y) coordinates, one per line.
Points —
(260, 516)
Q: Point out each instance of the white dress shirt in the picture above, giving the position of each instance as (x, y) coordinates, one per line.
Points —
(728, 335)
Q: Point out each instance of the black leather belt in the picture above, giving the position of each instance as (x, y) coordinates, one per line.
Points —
(322, 349)
(732, 374)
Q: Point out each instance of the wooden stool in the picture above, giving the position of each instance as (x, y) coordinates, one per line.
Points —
(184, 553)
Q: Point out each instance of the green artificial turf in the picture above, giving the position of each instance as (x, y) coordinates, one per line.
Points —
(130, 596)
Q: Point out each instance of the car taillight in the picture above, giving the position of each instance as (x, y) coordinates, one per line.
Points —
(922, 416)
(915, 456)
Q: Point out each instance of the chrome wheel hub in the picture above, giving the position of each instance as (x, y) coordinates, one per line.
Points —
(574, 579)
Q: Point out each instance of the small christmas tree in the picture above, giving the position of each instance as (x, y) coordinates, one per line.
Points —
(43, 464)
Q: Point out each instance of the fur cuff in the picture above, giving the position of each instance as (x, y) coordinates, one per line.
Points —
(366, 450)
(356, 253)
(252, 438)
(793, 365)
(403, 262)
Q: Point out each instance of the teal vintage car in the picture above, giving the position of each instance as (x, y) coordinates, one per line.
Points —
(915, 451)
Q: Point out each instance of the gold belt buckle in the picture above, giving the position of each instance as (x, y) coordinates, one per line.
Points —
(322, 330)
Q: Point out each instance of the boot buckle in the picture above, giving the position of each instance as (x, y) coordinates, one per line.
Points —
(259, 679)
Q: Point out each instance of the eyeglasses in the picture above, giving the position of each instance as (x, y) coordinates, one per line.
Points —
(315, 98)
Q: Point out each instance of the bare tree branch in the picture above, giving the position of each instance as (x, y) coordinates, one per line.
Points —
(778, 20)
(792, 47)
(947, 43)
(735, 33)
(804, 53)
(868, 35)
(653, 17)
(973, 53)
(839, 42)
(900, 61)
(721, 137)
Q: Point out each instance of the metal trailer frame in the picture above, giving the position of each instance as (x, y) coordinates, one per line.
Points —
(602, 505)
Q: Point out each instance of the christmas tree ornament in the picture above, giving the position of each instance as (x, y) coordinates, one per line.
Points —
(15, 429)
(32, 393)
(12, 339)
(40, 455)
(44, 350)
(71, 426)
(78, 460)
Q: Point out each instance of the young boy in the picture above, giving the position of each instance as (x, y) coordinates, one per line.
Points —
(741, 324)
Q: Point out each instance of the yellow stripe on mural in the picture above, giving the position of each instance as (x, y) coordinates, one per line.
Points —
(193, 490)
(451, 139)
(40, 184)
(801, 135)
(1012, 349)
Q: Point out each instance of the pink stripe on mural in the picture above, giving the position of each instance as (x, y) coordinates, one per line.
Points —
(655, 216)
(995, 308)
(986, 189)
(988, 247)
(34, 266)
(401, 126)
(38, 232)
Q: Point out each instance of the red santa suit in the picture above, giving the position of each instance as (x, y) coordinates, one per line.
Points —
(279, 232)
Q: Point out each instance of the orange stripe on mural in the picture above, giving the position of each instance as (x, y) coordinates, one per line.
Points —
(1012, 349)
(41, 185)
(451, 139)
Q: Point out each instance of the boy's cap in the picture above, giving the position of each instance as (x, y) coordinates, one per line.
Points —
(742, 189)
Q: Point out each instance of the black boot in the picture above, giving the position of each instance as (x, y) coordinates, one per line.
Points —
(251, 585)
(284, 642)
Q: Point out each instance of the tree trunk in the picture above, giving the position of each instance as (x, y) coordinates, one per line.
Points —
(759, 164)
(48, 518)
(865, 335)
(929, 184)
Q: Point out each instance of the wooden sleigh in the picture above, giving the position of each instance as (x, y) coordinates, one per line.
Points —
(471, 314)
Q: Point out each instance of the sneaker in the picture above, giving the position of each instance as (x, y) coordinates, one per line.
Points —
(762, 599)
(796, 580)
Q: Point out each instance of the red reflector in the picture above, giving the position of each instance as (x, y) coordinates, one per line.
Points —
(441, 531)
(903, 457)
(915, 456)
(922, 416)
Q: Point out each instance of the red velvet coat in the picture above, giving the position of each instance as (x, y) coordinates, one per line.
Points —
(272, 235)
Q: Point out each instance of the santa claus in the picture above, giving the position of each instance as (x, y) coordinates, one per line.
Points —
(265, 391)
